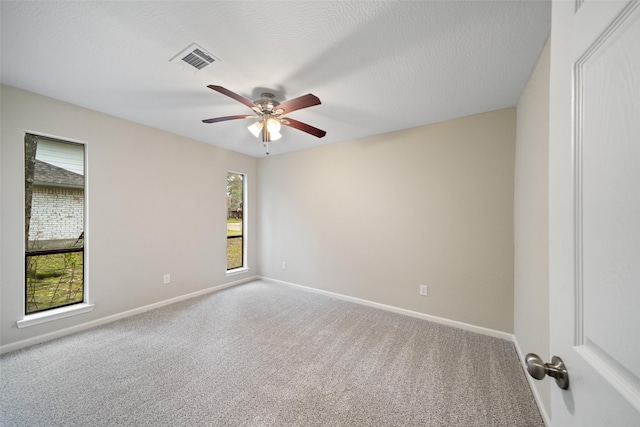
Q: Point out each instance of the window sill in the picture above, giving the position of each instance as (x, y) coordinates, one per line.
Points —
(55, 314)
(236, 271)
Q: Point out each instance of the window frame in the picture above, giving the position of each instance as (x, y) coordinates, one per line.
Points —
(245, 214)
(84, 306)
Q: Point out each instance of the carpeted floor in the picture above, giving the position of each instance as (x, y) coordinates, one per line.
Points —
(261, 354)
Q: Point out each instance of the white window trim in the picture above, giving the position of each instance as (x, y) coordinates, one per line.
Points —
(236, 271)
(245, 226)
(54, 314)
(81, 307)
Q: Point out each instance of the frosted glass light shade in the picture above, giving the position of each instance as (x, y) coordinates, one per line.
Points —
(275, 135)
(256, 128)
(273, 126)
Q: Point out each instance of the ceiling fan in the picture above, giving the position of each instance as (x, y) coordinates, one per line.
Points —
(269, 114)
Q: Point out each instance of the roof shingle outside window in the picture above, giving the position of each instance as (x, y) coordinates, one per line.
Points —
(54, 176)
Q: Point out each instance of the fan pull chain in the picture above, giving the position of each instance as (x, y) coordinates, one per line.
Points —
(265, 136)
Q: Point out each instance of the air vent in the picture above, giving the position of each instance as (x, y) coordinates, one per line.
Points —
(194, 58)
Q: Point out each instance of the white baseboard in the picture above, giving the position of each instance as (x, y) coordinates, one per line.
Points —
(441, 320)
(532, 386)
(87, 325)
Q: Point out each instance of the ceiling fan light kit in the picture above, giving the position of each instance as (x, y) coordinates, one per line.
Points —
(270, 114)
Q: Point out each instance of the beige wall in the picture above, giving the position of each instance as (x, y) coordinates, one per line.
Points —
(375, 217)
(531, 206)
(157, 204)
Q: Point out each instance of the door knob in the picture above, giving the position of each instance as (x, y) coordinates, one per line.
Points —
(556, 369)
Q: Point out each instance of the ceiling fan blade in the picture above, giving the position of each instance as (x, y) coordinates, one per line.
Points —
(233, 95)
(294, 104)
(225, 118)
(303, 127)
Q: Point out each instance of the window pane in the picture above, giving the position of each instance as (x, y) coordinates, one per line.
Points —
(54, 218)
(234, 253)
(235, 216)
(54, 280)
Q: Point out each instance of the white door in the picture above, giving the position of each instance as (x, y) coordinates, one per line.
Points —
(594, 223)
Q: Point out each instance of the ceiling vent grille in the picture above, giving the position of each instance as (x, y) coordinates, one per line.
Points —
(194, 58)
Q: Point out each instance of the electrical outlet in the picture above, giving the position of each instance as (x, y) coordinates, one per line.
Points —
(423, 290)
(166, 279)
(284, 265)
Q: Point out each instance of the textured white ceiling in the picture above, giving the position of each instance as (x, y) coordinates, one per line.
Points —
(377, 66)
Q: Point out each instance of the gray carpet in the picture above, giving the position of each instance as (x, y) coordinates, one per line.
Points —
(267, 355)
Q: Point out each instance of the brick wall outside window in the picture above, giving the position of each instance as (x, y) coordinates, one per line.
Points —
(56, 213)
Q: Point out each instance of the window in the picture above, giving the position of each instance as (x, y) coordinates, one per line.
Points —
(54, 223)
(235, 220)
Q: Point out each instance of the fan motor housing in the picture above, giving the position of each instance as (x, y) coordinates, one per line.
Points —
(267, 102)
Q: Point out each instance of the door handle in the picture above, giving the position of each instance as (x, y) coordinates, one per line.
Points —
(556, 369)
